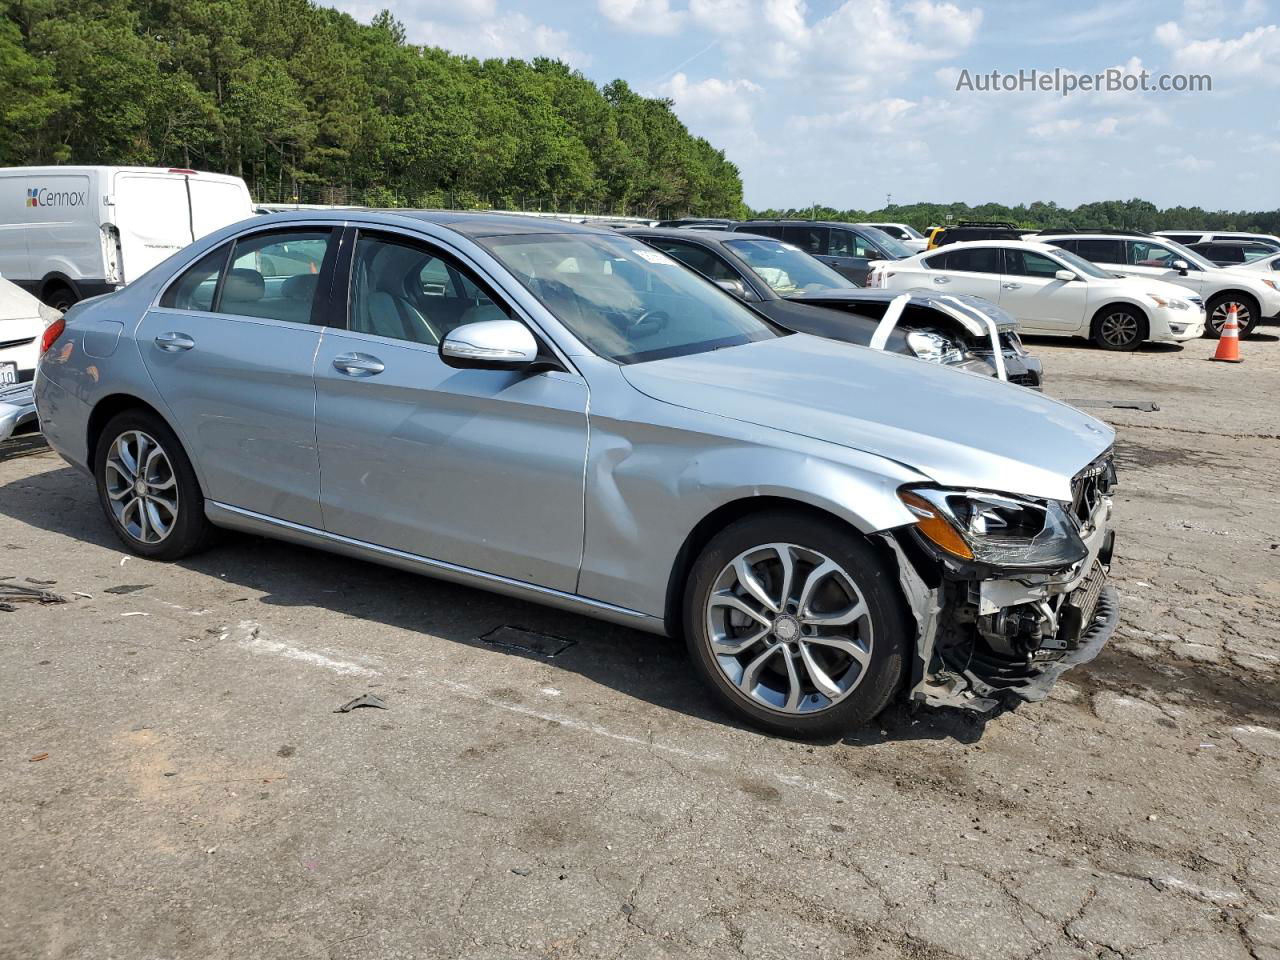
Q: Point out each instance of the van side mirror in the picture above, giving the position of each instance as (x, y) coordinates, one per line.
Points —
(1066, 275)
(489, 345)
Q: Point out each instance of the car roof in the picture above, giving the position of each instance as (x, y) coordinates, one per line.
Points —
(1017, 244)
(1235, 242)
(684, 233)
(464, 222)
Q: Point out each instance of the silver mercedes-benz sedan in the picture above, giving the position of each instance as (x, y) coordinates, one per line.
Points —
(567, 415)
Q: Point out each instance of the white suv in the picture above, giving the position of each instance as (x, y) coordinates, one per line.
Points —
(1158, 258)
(1051, 291)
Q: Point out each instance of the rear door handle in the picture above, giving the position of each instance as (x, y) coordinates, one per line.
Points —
(1012, 286)
(173, 342)
(358, 364)
(941, 279)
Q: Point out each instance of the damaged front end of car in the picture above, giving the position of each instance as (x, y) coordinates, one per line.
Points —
(1007, 592)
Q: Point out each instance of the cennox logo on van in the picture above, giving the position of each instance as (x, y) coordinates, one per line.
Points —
(44, 197)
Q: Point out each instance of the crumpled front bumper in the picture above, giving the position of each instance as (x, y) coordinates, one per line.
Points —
(962, 662)
(17, 410)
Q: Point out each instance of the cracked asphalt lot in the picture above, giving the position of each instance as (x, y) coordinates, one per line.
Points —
(199, 797)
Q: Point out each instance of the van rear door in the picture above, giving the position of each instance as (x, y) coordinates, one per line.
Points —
(153, 217)
(217, 201)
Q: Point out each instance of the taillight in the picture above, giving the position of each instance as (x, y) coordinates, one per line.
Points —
(51, 334)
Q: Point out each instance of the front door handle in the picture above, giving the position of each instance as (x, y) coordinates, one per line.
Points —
(1012, 286)
(358, 365)
(173, 342)
(941, 279)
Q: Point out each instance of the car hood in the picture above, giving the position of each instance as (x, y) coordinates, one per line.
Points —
(958, 429)
(1143, 285)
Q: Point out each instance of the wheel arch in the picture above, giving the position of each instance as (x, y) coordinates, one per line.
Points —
(110, 406)
(728, 513)
(54, 279)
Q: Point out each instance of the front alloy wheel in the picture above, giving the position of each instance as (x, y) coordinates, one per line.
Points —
(789, 628)
(1119, 330)
(1219, 309)
(796, 623)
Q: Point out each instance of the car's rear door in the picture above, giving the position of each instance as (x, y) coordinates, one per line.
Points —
(1032, 292)
(230, 347)
(958, 269)
(478, 468)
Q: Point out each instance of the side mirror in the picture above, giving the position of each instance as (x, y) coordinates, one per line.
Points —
(1181, 266)
(738, 289)
(1066, 275)
(489, 345)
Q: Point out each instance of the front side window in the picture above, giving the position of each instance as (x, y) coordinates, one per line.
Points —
(198, 285)
(274, 276)
(785, 269)
(697, 258)
(1146, 254)
(1025, 263)
(878, 243)
(626, 301)
(408, 291)
(1083, 266)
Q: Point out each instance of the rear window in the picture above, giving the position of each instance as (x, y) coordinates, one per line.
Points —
(979, 260)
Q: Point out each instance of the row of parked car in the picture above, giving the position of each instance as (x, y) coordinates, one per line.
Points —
(1117, 288)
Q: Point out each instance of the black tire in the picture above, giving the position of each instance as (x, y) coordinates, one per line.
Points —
(1119, 327)
(60, 297)
(1250, 313)
(190, 530)
(883, 627)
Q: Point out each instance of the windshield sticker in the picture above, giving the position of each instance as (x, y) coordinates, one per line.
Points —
(653, 256)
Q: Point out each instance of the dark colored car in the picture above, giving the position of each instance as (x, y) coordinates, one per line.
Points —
(1229, 253)
(800, 293)
(968, 230)
(695, 223)
(848, 248)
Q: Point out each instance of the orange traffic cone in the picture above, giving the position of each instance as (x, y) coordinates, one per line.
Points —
(1229, 340)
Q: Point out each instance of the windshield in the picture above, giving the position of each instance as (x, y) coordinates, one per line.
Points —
(1081, 265)
(895, 248)
(626, 301)
(787, 269)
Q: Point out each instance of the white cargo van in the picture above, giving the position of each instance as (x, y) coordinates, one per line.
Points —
(67, 233)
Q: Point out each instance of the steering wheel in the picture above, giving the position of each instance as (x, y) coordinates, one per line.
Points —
(648, 323)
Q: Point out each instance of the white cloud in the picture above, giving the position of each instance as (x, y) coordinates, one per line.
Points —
(477, 28)
(711, 103)
(643, 16)
(1253, 54)
(944, 24)
(722, 16)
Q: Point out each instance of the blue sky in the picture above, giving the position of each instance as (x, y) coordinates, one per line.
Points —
(846, 102)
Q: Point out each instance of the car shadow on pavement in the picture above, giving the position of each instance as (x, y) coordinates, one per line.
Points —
(640, 665)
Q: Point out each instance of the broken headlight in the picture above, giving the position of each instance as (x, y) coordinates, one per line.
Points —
(934, 347)
(996, 530)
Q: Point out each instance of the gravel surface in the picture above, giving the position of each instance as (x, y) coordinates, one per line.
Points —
(174, 781)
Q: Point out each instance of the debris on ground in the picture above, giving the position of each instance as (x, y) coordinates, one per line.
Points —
(13, 593)
(41, 583)
(367, 700)
(39, 756)
(517, 638)
(126, 588)
(1145, 406)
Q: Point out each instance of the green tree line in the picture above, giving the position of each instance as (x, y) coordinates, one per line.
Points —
(1109, 214)
(306, 103)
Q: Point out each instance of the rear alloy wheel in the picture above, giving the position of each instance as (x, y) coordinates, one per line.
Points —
(147, 487)
(797, 626)
(1220, 307)
(1119, 328)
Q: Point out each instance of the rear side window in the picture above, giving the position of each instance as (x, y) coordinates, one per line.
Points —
(978, 260)
(764, 229)
(1225, 253)
(1099, 251)
(698, 258)
(1071, 246)
(198, 286)
(275, 276)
